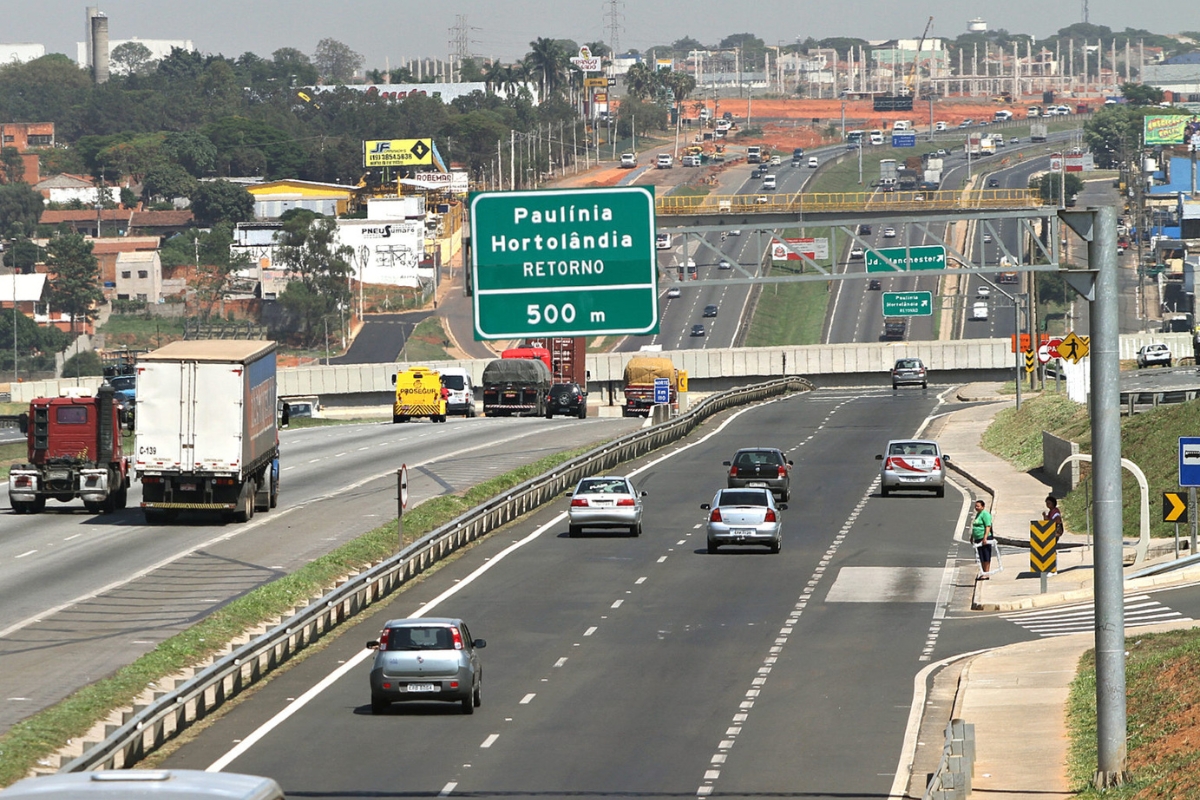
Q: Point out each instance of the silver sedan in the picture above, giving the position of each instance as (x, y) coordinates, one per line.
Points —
(610, 502)
(913, 464)
(744, 516)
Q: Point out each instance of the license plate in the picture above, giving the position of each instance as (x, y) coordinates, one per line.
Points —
(58, 475)
(912, 480)
(187, 487)
(759, 484)
(744, 531)
(602, 503)
(422, 687)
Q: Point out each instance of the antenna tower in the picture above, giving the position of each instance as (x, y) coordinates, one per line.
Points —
(1085, 12)
(614, 17)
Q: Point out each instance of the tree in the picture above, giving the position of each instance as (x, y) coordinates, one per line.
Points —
(293, 67)
(131, 58)
(641, 82)
(1139, 94)
(75, 288)
(336, 62)
(168, 181)
(221, 201)
(1050, 183)
(681, 85)
(547, 64)
(12, 164)
(20, 208)
(193, 151)
(319, 266)
(469, 71)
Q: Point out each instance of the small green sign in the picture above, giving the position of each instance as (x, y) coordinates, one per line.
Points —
(906, 258)
(574, 262)
(907, 304)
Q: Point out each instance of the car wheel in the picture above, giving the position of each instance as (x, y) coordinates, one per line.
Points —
(776, 545)
(583, 411)
(573, 531)
(883, 490)
(549, 414)
(635, 530)
(941, 491)
(786, 496)
(895, 386)
(477, 699)
(471, 411)
(468, 704)
(924, 385)
(93, 508)
(379, 704)
(712, 547)
(1168, 363)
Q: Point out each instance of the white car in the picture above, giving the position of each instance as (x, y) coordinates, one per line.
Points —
(673, 292)
(1151, 354)
(979, 311)
(608, 502)
(987, 238)
(744, 516)
(628, 160)
(856, 254)
(983, 291)
(889, 232)
(664, 161)
(912, 464)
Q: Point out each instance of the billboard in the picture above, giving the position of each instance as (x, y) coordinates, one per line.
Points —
(1174, 129)
(814, 248)
(397, 152)
(385, 251)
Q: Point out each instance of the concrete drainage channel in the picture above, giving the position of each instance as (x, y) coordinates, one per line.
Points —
(145, 728)
(952, 780)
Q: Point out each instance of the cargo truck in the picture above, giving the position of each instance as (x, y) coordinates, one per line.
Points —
(568, 358)
(74, 450)
(1038, 132)
(640, 373)
(517, 386)
(207, 431)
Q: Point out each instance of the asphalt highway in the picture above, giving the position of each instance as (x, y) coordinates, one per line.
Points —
(95, 592)
(644, 666)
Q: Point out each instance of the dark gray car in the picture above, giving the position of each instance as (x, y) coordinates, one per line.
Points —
(431, 658)
(761, 467)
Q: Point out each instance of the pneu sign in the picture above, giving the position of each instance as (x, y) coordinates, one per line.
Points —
(575, 262)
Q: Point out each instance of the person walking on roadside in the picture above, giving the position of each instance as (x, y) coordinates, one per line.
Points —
(1052, 514)
(981, 539)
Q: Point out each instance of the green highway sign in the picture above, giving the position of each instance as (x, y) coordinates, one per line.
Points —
(573, 262)
(905, 259)
(907, 304)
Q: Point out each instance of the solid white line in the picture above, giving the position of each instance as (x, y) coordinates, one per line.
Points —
(362, 655)
(27, 553)
(528, 698)
(489, 741)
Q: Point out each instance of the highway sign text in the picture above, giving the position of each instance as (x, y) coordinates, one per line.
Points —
(907, 304)
(906, 259)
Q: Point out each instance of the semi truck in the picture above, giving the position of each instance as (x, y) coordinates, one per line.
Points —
(754, 154)
(1038, 131)
(418, 394)
(517, 386)
(568, 358)
(207, 431)
(74, 451)
(640, 373)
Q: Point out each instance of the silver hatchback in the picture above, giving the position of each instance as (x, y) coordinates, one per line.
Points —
(610, 502)
(744, 516)
(429, 658)
(913, 464)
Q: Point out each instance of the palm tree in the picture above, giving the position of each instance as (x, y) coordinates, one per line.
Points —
(641, 82)
(681, 85)
(547, 63)
(493, 76)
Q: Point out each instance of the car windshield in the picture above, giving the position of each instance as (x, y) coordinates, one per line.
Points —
(561, 389)
(603, 486)
(122, 382)
(754, 458)
(430, 638)
(454, 382)
(908, 363)
(912, 449)
(743, 497)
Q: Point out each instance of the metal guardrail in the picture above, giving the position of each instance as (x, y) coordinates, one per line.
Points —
(952, 780)
(147, 728)
(1130, 401)
(813, 202)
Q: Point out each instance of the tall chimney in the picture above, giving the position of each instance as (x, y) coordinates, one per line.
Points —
(100, 48)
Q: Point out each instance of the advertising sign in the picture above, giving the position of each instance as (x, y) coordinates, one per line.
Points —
(1074, 162)
(386, 252)
(585, 61)
(814, 248)
(457, 182)
(1172, 129)
(595, 83)
(397, 152)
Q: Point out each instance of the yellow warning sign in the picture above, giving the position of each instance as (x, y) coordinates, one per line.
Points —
(1030, 361)
(1175, 507)
(595, 83)
(1074, 348)
(1043, 546)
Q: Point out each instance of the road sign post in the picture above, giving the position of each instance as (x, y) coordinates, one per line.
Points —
(576, 262)
(401, 504)
(906, 259)
(907, 304)
(1189, 475)
(1175, 509)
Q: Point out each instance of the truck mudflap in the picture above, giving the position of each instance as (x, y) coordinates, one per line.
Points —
(23, 485)
(93, 485)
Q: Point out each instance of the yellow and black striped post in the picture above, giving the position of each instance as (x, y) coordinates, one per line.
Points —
(1043, 547)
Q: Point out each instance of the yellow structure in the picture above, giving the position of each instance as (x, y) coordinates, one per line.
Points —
(419, 394)
(272, 199)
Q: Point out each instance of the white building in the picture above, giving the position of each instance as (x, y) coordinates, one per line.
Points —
(21, 52)
(159, 49)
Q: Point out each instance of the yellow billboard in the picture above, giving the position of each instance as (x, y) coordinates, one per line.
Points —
(397, 152)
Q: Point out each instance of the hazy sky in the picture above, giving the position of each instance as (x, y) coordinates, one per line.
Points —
(400, 29)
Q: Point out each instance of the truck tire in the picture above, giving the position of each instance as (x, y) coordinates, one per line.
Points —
(397, 418)
(95, 508)
(245, 512)
(19, 506)
(123, 496)
(154, 516)
(37, 506)
(262, 497)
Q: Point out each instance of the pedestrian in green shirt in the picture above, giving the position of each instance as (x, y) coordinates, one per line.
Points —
(981, 538)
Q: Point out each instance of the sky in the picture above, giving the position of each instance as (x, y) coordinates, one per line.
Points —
(386, 31)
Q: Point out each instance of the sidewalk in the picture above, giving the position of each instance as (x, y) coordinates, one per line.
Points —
(1016, 695)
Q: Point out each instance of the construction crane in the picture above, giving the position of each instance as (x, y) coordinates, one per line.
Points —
(911, 77)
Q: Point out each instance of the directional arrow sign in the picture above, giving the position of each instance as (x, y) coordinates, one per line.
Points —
(906, 258)
(1043, 546)
(1175, 507)
(907, 304)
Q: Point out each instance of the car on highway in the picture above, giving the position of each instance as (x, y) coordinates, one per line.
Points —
(776, 161)
(724, 264)
(993, 183)
(426, 658)
(760, 468)
(607, 502)
(874, 285)
(912, 464)
(941, 153)
(673, 292)
(628, 160)
(698, 329)
(568, 399)
(987, 238)
(864, 230)
(662, 241)
(768, 183)
(710, 310)
(664, 161)
(893, 329)
(744, 516)
(758, 172)
(983, 291)
(813, 162)
(889, 232)
(856, 253)
(1014, 140)
(979, 311)
(690, 263)
(966, 123)
(736, 232)
(138, 784)
(909, 372)
(762, 199)
(1151, 354)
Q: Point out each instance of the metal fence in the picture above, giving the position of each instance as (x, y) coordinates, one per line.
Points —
(952, 780)
(147, 728)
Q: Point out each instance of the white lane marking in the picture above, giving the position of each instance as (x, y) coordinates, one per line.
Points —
(447, 789)
(640, 581)
(489, 741)
(616, 604)
(69, 538)
(238, 530)
(661, 559)
(27, 553)
(590, 631)
(560, 662)
(362, 655)
(528, 698)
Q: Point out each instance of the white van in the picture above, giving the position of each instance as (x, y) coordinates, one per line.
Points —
(160, 784)
(979, 311)
(939, 126)
(902, 125)
(876, 137)
(664, 161)
(769, 182)
(462, 391)
(813, 162)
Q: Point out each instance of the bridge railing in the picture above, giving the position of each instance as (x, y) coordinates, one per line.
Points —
(774, 203)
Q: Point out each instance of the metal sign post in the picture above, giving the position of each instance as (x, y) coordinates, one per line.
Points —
(401, 504)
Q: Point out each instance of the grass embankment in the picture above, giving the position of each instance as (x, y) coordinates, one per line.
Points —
(1162, 697)
(791, 313)
(140, 333)
(44, 733)
(428, 342)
